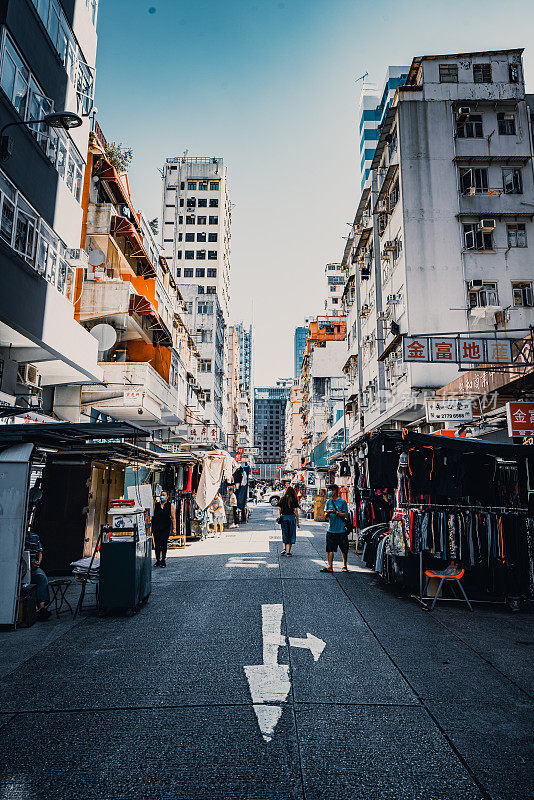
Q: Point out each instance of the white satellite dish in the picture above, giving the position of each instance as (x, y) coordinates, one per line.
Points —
(96, 258)
(106, 336)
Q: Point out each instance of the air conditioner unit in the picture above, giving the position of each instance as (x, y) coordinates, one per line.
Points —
(368, 339)
(390, 245)
(364, 310)
(486, 225)
(29, 375)
(77, 257)
(463, 113)
(393, 298)
(476, 285)
(382, 316)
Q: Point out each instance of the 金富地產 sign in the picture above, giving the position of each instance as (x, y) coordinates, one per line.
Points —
(459, 350)
(449, 410)
(520, 417)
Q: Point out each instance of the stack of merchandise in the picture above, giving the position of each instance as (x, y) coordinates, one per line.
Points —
(83, 569)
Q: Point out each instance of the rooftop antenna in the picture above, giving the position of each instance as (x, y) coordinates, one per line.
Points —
(362, 77)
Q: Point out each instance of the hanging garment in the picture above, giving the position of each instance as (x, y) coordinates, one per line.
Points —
(217, 465)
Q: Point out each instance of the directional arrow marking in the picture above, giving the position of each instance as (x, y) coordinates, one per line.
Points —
(269, 683)
(311, 643)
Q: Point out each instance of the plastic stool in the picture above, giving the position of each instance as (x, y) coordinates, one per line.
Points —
(453, 574)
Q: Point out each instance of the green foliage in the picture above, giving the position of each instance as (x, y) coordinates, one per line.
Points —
(119, 155)
(154, 225)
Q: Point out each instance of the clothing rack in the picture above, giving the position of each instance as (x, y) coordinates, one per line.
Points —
(456, 507)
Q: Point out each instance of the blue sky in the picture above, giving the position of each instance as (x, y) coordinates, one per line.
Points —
(269, 85)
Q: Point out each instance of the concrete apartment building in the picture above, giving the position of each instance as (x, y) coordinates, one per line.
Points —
(441, 237)
(245, 397)
(47, 63)
(269, 425)
(231, 380)
(196, 217)
(335, 282)
(294, 432)
(299, 346)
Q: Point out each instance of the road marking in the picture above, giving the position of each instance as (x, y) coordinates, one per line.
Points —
(269, 683)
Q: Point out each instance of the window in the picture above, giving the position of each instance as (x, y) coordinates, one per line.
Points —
(205, 308)
(214, 202)
(212, 255)
(214, 220)
(188, 272)
(200, 290)
(200, 272)
(205, 364)
(201, 220)
(214, 186)
(179, 272)
(203, 186)
(207, 395)
(189, 220)
(180, 220)
(202, 202)
(189, 237)
(182, 185)
(181, 202)
(475, 239)
(191, 202)
(471, 129)
(485, 296)
(212, 273)
(211, 290)
(212, 237)
(473, 180)
(180, 237)
(513, 73)
(179, 255)
(189, 255)
(516, 235)
(167, 240)
(201, 255)
(191, 186)
(201, 237)
(188, 305)
(448, 73)
(511, 181)
(522, 294)
(506, 124)
(482, 73)
(393, 196)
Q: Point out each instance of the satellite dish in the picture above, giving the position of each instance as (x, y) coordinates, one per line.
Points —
(96, 258)
(106, 336)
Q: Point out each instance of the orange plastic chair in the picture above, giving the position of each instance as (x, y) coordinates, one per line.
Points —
(452, 574)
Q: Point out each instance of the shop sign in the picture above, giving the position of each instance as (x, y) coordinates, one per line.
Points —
(460, 350)
(449, 410)
(311, 479)
(133, 397)
(251, 451)
(203, 434)
(520, 417)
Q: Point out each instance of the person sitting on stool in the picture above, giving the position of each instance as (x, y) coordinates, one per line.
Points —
(38, 577)
(164, 516)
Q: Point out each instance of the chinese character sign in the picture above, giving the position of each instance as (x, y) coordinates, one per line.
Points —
(443, 350)
(203, 434)
(415, 348)
(460, 350)
(520, 417)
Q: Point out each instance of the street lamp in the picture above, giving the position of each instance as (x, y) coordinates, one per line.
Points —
(58, 119)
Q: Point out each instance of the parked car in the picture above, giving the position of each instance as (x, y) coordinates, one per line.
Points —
(272, 497)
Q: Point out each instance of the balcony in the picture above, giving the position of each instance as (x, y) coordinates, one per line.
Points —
(134, 391)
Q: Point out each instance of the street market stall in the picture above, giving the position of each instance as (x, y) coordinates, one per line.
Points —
(460, 502)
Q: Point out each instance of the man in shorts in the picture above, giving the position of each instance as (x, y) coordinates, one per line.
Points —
(336, 535)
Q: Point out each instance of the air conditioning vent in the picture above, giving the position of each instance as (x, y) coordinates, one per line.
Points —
(29, 375)
(77, 257)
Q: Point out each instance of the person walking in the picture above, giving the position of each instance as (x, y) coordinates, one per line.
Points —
(163, 519)
(219, 515)
(336, 535)
(289, 516)
(232, 502)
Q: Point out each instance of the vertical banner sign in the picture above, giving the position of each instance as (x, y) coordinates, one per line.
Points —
(520, 418)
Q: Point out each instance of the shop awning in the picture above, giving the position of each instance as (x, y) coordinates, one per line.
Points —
(121, 226)
(65, 434)
(142, 306)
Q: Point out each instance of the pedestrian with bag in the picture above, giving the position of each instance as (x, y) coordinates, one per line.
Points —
(232, 502)
(219, 515)
(339, 524)
(163, 519)
(289, 519)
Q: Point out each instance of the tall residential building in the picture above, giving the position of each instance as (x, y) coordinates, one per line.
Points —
(196, 218)
(47, 62)
(335, 282)
(442, 233)
(294, 432)
(269, 425)
(374, 104)
(246, 352)
(299, 346)
(231, 379)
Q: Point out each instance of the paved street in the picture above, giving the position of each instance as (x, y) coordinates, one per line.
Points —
(400, 704)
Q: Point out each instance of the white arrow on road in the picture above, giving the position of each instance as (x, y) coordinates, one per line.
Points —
(269, 683)
(311, 643)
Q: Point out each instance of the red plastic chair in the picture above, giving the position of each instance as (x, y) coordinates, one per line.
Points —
(453, 574)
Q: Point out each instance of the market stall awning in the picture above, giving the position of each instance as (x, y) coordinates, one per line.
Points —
(121, 226)
(65, 434)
